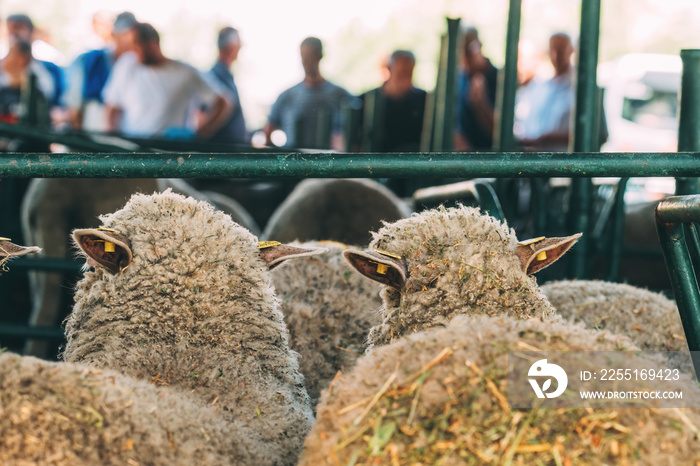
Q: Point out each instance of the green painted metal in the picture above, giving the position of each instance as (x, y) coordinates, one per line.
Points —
(24, 331)
(689, 115)
(446, 89)
(504, 140)
(47, 136)
(344, 165)
(480, 191)
(671, 215)
(47, 264)
(488, 200)
(616, 237)
(584, 132)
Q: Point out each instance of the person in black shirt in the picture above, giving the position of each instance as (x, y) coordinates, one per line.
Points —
(477, 96)
(394, 112)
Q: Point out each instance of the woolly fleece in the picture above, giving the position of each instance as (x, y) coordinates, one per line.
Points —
(459, 261)
(649, 319)
(196, 310)
(344, 210)
(68, 414)
(454, 411)
(329, 310)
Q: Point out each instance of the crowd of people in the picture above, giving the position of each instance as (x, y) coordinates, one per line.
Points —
(128, 86)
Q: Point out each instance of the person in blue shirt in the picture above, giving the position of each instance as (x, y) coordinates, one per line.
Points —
(310, 112)
(221, 77)
(88, 75)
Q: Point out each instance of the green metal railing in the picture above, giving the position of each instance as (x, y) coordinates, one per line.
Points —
(344, 165)
(677, 220)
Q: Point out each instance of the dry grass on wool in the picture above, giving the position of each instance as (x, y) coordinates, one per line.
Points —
(439, 397)
(195, 310)
(66, 414)
(459, 261)
(650, 319)
(329, 310)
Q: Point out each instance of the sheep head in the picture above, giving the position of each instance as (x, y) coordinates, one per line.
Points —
(449, 261)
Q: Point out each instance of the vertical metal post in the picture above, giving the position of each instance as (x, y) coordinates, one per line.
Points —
(685, 285)
(584, 134)
(446, 89)
(30, 115)
(504, 140)
(689, 116)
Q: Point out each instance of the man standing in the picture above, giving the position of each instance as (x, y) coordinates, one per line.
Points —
(401, 106)
(229, 44)
(148, 94)
(543, 110)
(310, 112)
(477, 96)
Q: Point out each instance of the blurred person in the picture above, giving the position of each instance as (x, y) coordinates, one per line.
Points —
(221, 78)
(402, 107)
(14, 70)
(148, 94)
(50, 81)
(476, 96)
(543, 110)
(297, 110)
(89, 72)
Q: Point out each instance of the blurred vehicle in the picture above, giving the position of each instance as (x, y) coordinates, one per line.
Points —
(641, 107)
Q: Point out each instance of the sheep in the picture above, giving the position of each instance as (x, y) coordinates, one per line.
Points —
(220, 201)
(182, 296)
(439, 397)
(328, 309)
(50, 209)
(446, 261)
(67, 414)
(649, 319)
(343, 210)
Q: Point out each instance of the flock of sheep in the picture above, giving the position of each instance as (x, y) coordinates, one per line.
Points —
(190, 343)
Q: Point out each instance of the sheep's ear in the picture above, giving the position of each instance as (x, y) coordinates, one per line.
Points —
(537, 253)
(8, 249)
(274, 253)
(388, 270)
(106, 247)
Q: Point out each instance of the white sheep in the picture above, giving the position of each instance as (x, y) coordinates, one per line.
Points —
(182, 296)
(329, 310)
(441, 397)
(51, 208)
(343, 210)
(649, 319)
(64, 414)
(443, 262)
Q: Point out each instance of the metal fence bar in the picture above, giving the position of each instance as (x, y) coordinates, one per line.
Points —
(346, 165)
(689, 115)
(504, 139)
(24, 331)
(671, 215)
(584, 132)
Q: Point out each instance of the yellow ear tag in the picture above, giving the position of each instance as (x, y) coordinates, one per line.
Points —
(267, 244)
(542, 256)
(531, 241)
(5, 239)
(107, 229)
(382, 268)
(109, 247)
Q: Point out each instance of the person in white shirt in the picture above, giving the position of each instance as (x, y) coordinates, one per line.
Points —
(543, 110)
(149, 95)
